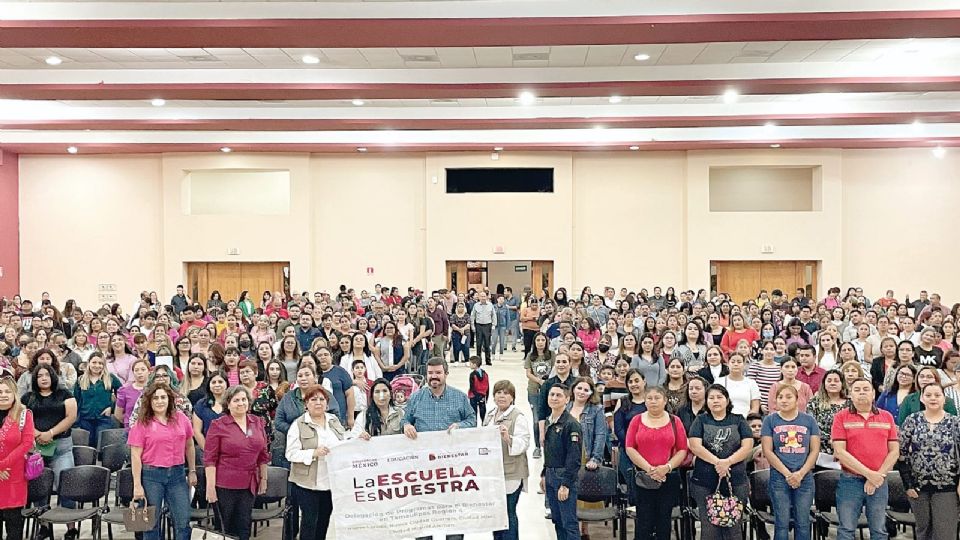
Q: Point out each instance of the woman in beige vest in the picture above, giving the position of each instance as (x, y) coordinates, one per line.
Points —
(515, 438)
(310, 439)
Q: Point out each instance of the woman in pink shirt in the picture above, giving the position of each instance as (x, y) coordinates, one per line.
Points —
(120, 358)
(235, 458)
(589, 334)
(737, 331)
(161, 440)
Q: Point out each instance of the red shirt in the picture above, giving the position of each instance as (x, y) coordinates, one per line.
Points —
(732, 337)
(813, 379)
(185, 327)
(866, 438)
(236, 454)
(656, 445)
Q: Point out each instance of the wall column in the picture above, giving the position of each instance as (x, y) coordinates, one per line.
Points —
(9, 224)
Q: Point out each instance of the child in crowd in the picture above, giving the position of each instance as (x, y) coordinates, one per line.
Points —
(479, 387)
(361, 386)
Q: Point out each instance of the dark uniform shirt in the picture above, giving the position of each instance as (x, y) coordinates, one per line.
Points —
(561, 448)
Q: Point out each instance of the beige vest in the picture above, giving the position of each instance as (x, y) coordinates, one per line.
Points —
(514, 467)
(306, 475)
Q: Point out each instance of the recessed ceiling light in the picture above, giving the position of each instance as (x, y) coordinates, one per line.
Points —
(527, 98)
(358, 102)
(769, 125)
(640, 57)
(309, 59)
(615, 99)
(226, 149)
(731, 96)
(498, 149)
(939, 152)
(917, 124)
(53, 60)
(158, 102)
(774, 145)
(634, 147)
(362, 149)
(72, 150)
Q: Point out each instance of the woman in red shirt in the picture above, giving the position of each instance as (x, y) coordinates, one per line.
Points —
(737, 331)
(15, 441)
(656, 443)
(235, 459)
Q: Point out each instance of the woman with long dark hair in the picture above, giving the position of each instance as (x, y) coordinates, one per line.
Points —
(381, 417)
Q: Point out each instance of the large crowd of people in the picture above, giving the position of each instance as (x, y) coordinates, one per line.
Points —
(682, 393)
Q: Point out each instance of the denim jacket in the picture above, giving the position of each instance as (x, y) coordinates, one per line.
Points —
(503, 316)
(593, 425)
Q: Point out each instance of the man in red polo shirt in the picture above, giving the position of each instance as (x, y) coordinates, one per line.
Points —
(865, 443)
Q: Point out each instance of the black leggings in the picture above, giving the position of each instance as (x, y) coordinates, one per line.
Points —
(528, 341)
(12, 521)
(236, 506)
(315, 509)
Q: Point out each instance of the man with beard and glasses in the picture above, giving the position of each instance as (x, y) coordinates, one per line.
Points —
(438, 407)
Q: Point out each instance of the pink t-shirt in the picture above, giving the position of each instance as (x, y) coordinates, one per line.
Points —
(163, 445)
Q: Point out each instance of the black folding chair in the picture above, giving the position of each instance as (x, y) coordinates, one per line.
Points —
(39, 492)
(80, 436)
(600, 485)
(276, 494)
(83, 484)
(84, 455)
(898, 506)
(107, 437)
(825, 500)
(124, 494)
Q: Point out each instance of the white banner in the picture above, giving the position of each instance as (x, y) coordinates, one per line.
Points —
(393, 487)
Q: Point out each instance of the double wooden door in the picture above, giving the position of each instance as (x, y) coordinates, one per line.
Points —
(462, 275)
(742, 280)
(231, 278)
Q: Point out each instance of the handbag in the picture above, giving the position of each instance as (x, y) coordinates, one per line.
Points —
(724, 511)
(209, 530)
(642, 478)
(136, 519)
(33, 465)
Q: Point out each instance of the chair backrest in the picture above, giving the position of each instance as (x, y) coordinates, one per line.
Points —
(114, 456)
(759, 489)
(81, 437)
(85, 483)
(107, 437)
(599, 485)
(40, 489)
(897, 498)
(124, 486)
(276, 486)
(84, 455)
(690, 502)
(825, 489)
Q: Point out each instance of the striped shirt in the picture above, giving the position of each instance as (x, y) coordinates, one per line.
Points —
(765, 376)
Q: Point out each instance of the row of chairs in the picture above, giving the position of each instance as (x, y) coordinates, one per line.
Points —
(823, 513)
(97, 469)
(603, 485)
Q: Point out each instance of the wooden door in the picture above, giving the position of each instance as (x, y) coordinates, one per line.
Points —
(742, 280)
(231, 278)
(457, 276)
(542, 277)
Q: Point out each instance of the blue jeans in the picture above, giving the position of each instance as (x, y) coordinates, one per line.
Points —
(95, 426)
(563, 514)
(61, 460)
(168, 485)
(513, 524)
(499, 339)
(534, 401)
(851, 499)
(789, 503)
(460, 348)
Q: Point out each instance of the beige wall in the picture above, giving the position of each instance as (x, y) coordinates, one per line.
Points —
(900, 221)
(623, 219)
(91, 221)
(629, 225)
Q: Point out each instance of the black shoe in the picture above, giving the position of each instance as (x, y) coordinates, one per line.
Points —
(45, 533)
(71, 534)
(489, 363)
